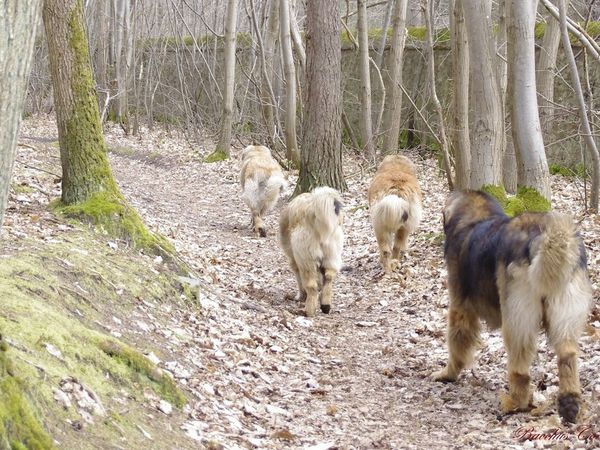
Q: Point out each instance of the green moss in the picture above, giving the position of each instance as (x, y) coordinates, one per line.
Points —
(532, 200)
(498, 192)
(216, 156)
(540, 29)
(19, 425)
(417, 33)
(111, 212)
(141, 365)
(22, 188)
(514, 206)
(578, 171)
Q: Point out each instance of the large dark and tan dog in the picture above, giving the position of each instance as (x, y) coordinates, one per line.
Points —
(519, 274)
(395, 203)
(310, 232)
(262, 181)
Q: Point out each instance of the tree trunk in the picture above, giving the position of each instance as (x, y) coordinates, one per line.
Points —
(222, 150)
(17, 35)
(83, 153)
(486, 110)
(290, 84)
(428, 13)
(460, 99)
(386, 24)
(532, 167)
(587, 132)
(391, 118)
(366, 127)
(321, 158)
(546, 68)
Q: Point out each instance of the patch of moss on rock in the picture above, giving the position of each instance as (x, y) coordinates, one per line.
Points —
(217, 156)
(20, 427)
(141, 365)
(111, 212)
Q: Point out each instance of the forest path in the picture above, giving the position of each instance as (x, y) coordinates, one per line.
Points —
(263, 376)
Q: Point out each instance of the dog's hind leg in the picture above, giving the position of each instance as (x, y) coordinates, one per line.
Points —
(384, 241)
(463, 338)
(400, 242)
(311, 287)
(259, 226)
(326, 292)
(301, 296)
(566, 314)
(521, 318)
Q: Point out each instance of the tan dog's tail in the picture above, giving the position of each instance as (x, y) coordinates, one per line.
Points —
(327, 209)
(555, 252)
(261, 190)
(391, 212)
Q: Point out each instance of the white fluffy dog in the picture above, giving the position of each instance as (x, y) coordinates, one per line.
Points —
(312, 238)
(262, 181)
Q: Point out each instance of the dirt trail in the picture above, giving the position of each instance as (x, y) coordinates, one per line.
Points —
(263, 376)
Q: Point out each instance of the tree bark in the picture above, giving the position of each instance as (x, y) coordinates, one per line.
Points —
(532, 167)
(384, 33)
(321, 158)
(290, 84)
(486, 110)
(86, 170)
(587, 132)
(18, 28)
(391, 118)
(366, 126)
(224, 144)
(546, 67)
(460, 99)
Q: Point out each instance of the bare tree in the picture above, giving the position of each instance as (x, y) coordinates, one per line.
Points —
(587, 132)
(366, 126)
(222, 150)
(391, 118)
(17, 35)
(486, 109)
(290, 83)
(428, 13)
(460, 99)
(546, 73)
(321, 156)
(532, 166)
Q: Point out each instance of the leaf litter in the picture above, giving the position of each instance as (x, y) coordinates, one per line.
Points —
(259, 374)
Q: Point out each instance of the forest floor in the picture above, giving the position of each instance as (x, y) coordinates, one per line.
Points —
(261, 375)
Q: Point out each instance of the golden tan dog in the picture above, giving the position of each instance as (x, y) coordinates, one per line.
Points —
(519, 274)
(310, 231)
(262, 181)
(395, 203)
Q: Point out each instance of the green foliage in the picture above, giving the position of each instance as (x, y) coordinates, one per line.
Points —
(112, 213)
(141, 365)
(19, 425)
(217, 156)
(540, 30)
(578, 171)
(243, 40)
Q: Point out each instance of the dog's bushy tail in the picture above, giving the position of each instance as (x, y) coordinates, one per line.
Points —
(556, 253)
(391, 212)
(327, 209)
(259, 190)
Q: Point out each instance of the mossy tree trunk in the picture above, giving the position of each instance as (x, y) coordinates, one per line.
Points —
(89, 190)
(223, 146)
(18, 25)
(321, 156)
(85, 166)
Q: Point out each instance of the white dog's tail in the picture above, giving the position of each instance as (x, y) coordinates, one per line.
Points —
(261, 192)
(556, 253)
(391, 212)
(328, 210)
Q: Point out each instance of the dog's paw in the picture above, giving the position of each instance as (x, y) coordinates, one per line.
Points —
(262, 232)
(509, 405)
(325, 309)
(568, 407)
(443, 376)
